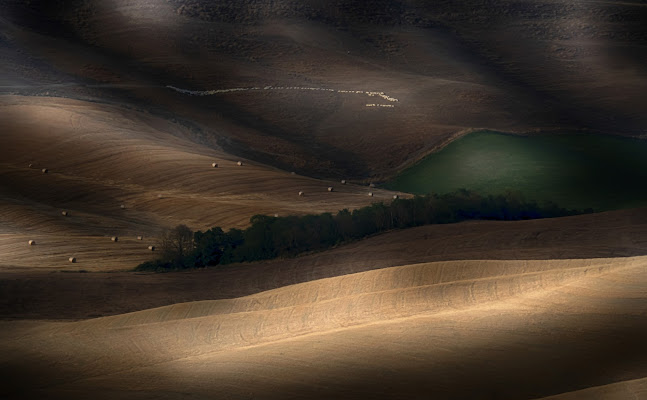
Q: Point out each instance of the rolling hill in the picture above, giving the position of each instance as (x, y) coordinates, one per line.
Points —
(506, 65)
(121, 119)
(465, 329)
(100, 158)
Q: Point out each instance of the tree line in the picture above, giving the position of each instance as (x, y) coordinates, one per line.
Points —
(271, 237)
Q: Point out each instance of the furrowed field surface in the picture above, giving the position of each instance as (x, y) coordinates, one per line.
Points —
(100, 158)
(127, 105)
(454, 66)
(29, 292)
(445, 309)
(448, 328)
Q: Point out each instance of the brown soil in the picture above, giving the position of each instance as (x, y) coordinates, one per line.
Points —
(488, 310)
(512, 66)
(463, 328)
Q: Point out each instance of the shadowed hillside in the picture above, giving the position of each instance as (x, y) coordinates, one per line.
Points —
(504, 65)
(35, 293)
(115, 172)
(443, 322)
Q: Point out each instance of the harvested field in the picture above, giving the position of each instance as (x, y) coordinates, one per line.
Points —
(121, 119)
(442, 321)
(34, 291)
(103, 157)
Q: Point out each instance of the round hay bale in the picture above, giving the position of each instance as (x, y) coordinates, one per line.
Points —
(371, 185)
(31, 165)
(214, 165)
(140, 237)
(151, 248)
(301, 194)
(123, 206)
(32, 242)
(240, 163)
(44, 170)
(276, 215)
(395, 197)
(114, 239)
(72, 259)
(330, 188)
(64, 213)
(293, 173)
(343, 181)
(370, 194)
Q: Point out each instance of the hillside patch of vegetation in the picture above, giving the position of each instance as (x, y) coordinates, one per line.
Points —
(574, 170)
(272, 237)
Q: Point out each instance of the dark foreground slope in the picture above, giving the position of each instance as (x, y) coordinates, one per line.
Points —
(464, 329)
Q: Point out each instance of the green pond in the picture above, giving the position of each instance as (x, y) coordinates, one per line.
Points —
(573, 170)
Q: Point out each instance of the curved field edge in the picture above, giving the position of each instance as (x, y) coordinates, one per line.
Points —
(402, 298)
(316, 306)
(631, 389)
(117, 172)
(573, 170)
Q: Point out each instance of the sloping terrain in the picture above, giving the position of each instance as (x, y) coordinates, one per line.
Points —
(391, 316)
(636, 389)
(29, 292)
(113, 112)
(455, 329)
(506, 65)
(100, 158)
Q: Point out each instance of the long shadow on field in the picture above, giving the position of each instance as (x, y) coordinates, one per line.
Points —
(34, 295)
(500, 356)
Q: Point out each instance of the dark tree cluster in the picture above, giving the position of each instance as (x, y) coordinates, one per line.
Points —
(272, 237)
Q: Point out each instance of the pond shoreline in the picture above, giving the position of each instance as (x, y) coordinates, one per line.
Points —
(422, 155)
(576, 169)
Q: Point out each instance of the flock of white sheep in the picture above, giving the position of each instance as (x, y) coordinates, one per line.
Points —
(220, 91)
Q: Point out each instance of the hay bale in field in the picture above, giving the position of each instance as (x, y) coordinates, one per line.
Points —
(293, 173)
(32, 242)
(72, 259)
(44, 170)
(371, 185)
(240, 163)
(330, 188)
(214, 165)
(114, 239)
(151, 248)
(123, 206)
(343, 181)
(370, 194)
(276, 215)
(395, 197)
(31, 165)
(301, 193)
(64, 213)
(140, 237)
(159, 196)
